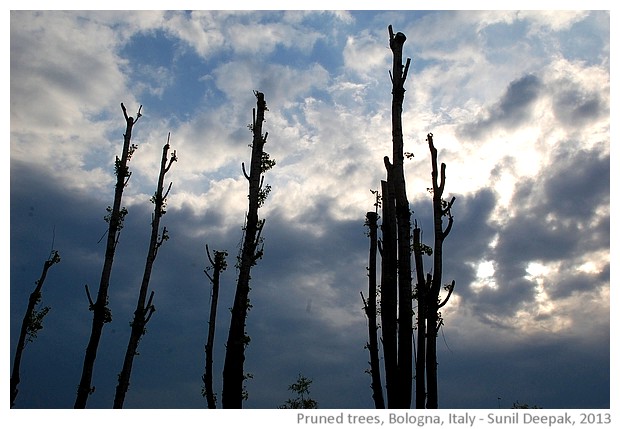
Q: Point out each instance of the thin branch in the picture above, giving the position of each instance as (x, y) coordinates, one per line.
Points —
(406, 69)
(449, 206)
(450, 289)
(244, 172)
(445, 233)
(209, 255)
(90, 299)
(442, 181)
(365, 304)
(167, 191)
(149, 309)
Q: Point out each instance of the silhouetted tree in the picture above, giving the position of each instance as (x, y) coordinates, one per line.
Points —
(403, 223)
(396, 250)
(251, 252)
(396, 292)
(218, 264)
(389, 296)
(303, 400)
(144, 309)
(31, 324)
(429, 287)
(115, 218)
(370, 308)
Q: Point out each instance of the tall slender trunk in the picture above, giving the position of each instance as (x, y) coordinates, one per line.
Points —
(431, 359)
(389, 294)
(101, 312)
(144, 310)
(441, 208)
(370, 307)
(403, 220)
(421, 296)
(30, 324)
(218, 264)
(233, 376)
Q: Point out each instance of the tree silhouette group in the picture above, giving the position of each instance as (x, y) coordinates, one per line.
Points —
(404, 333)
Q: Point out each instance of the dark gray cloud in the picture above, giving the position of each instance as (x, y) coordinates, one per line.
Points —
(573, 102)
(560, 216)
(578, 183)
(288, 323)
(306, 318)
(512, 109)
(307, 315)
(575, 108)
(556, 218)
(558, 213)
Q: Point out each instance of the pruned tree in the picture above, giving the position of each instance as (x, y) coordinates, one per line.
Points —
(396, 292)
(396, 249)
(218, 265)
(429, 286)
(31, 324)
(403, 223)
(251, 252)
(441, 209)
(144, 309)
(115, 218)
(370, 307)
(389, 295)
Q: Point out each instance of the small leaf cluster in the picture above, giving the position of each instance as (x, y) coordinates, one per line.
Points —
(120, 219)
(263, 193)
(266, 163)
(35, 320)
(424, 249)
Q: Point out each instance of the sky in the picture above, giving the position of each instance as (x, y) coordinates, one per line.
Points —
(519, 106)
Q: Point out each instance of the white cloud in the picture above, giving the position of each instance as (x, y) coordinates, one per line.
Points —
(365, 55)
(260, 39)
(551, 20)
(201, 30)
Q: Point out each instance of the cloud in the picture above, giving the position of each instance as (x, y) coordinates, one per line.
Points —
(559, 221)
(202, 30)
(552, 21)
(366, 55)
(47, 59)
(579, 93)
(513, 109)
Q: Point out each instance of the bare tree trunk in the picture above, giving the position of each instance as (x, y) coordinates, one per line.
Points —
(403, 220)
(431, 361)
(101, 312)
(370, 307)
(441, 208)
(421, 296)
(389, 295)
(233, 377)
(218, 264)
(30, 324)
(144, 310)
